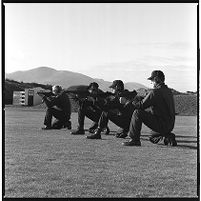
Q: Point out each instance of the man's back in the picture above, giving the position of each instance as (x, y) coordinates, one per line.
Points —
(163, 105)
(61, 101)
(64, 103)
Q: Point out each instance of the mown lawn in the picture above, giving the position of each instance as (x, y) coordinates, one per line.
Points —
(55, 163)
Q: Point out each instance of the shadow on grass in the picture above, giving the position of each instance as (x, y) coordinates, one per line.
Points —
(179, 145)
(186, 141)
(182, 146)
(177, 136)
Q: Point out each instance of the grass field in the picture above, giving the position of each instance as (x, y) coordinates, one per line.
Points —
(55, 163)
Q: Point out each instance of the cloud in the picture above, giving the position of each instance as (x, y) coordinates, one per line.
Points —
(171, 60)
(171, 45)
(180, 76)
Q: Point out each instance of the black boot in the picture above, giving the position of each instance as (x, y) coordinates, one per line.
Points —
(96, 135)
(79, 131)
(106, 131)
(93, 127)
(46, 128)
(119, 132)
(170, 140)
(124, 134)
(67, 125)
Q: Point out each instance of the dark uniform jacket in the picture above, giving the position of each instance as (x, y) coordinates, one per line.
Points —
(112, 101)
(161, 103)
(61, 101)
(94, 102)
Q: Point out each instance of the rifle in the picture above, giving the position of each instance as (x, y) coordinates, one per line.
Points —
(80, 92)
(128, 94)
(111, 101)
(77, 95)
(45, 93)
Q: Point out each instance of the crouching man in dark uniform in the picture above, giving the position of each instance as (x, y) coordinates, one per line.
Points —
(58, 106)
(87, 107)
(160, 119)
(114, 111)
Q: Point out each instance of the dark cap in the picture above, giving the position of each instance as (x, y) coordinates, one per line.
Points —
(118, 83)
(93, 85)
(157, 73)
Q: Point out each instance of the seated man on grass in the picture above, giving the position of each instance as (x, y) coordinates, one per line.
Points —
(161, 117)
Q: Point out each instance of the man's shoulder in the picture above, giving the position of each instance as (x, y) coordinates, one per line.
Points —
(100, 91)
(62, 95)
(161, 90)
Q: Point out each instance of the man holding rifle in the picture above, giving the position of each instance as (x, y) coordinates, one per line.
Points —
(114, 111)
(58, 106)
(88, 107)
(160, 119)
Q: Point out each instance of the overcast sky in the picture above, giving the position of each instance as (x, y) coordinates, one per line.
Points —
(107, 41)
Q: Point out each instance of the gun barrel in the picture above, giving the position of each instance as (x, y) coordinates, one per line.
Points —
(44, 93)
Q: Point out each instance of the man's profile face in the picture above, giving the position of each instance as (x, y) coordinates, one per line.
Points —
(153, 82)
(113, 90)
(55, 90)
(93, 90)
(116, 89)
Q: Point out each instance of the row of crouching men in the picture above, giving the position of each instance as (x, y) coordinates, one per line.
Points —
(124, 108)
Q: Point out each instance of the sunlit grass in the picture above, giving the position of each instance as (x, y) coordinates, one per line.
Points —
(56, 164)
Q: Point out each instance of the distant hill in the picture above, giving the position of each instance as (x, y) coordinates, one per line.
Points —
(46, 75)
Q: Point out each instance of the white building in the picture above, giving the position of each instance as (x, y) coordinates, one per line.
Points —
(27, 97)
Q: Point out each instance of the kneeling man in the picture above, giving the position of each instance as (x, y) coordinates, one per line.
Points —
(58, 106)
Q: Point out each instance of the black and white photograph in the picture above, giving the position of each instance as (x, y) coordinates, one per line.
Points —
(100, 100)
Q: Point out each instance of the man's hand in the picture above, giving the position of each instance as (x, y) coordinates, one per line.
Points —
(123, 100)
(91, 99)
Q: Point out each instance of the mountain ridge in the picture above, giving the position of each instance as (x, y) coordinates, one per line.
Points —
(48, 75)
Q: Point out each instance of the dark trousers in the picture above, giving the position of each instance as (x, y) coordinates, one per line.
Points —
(121, 120)
(61, 118)
(151, 121)
(88, 110)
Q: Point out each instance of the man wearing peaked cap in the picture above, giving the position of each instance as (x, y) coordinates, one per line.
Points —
(157, 74)
(117, 83)
(160, 119)
(87, 108)
(114, 111)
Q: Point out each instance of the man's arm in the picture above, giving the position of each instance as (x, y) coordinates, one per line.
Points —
(143, 104)
(79, 96)
(52, 100)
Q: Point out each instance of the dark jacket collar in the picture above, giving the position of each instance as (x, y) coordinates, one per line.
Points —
(158, 86)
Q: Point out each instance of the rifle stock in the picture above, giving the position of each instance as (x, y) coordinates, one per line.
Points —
(77, 92)
(44, 93)
(128, 94)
